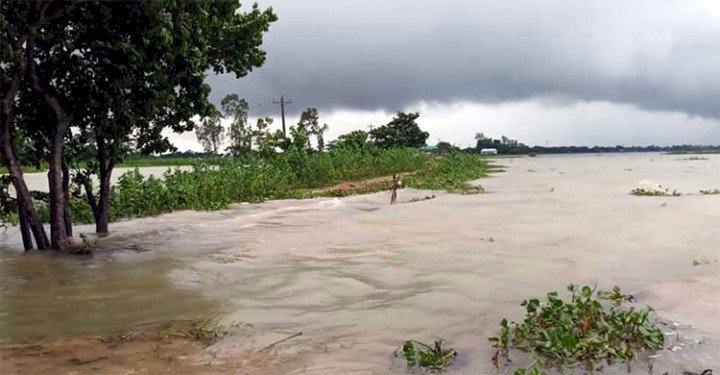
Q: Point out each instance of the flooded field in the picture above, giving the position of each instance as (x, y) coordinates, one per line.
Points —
(357, 276)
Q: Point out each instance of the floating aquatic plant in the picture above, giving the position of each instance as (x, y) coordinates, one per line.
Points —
(435, 358)
(581, 330)
(655, 193)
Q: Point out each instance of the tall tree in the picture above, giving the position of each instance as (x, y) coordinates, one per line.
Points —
(240, 134)
(401, 131)
(308, 122)
(267, 142)
(319, 133)
(121, 72)
(19, 24)
(211, 133)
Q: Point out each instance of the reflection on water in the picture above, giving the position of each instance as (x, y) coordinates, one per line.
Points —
(358, 276)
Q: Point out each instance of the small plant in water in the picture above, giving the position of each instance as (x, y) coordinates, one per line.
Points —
(559, 332)
(435, 358)
(425, 198)
(615, 295)
(655, 193)
(699, 262)
(710, 192)
(201, 330)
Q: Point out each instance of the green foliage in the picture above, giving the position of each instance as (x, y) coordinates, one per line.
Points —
(530, 370)
(435, 358)
(87, 244)
(560, 332)
(451, 172)
(401, 131)
(654, 193)
(267, 142)
(355, 140)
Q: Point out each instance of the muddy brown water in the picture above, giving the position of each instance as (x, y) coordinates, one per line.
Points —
(357, 276)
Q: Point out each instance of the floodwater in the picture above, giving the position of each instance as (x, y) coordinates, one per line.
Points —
(39, 180)
(358, 277)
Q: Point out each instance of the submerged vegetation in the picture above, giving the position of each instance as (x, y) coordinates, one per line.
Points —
(420, 199)
(654, 193)
(710, 192)
(580, 331)
(694, 158)
(286, 176)
(435, 358)
(206, 330)
(451, 173)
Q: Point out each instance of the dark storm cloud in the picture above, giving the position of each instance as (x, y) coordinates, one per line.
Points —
(657, 55)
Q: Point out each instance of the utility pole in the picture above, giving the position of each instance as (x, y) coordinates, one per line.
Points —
(282, 103)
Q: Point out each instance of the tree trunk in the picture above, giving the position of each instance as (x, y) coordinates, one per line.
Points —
(58, 234)
(25, 231)
(90, 195)
(101, 222)
(104, 174)
(59, 237)
(9, 153)
(66, 195)
(26, 208)
(9, 150)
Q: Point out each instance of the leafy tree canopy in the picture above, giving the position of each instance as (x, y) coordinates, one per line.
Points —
(401, 131)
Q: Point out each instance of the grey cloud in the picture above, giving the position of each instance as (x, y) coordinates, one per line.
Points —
(657, 55)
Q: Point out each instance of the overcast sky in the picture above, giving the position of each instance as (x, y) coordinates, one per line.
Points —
(551, 72)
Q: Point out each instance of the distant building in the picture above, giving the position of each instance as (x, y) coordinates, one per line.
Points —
(488, 151)
(428, 149)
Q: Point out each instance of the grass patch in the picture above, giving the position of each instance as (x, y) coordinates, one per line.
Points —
(435, 358)
(579, 331)
(654, 193)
